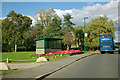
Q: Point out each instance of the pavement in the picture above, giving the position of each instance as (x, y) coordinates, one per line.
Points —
(24, 65)
(42, 70)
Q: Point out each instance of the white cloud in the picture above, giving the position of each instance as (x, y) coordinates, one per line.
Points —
(110, 10)
(2, 18)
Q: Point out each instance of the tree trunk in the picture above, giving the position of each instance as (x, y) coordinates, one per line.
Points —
(78, 44)
(68, 47)
(15, 47)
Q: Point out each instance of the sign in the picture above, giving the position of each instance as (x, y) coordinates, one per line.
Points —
(106, 39)
(85, 34)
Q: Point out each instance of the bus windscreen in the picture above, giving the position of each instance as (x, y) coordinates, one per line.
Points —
(106, 36)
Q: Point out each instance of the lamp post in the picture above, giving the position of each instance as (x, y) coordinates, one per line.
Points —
(84, 32)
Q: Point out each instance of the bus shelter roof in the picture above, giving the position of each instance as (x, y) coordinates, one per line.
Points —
(48, 39)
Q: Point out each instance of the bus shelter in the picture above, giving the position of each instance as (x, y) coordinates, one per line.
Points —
(47, 45)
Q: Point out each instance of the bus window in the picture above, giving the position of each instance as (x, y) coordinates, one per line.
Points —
(106, 36)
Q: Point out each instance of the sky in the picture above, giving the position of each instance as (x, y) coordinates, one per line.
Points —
(31, 8)
(78, 10)
(58, 0)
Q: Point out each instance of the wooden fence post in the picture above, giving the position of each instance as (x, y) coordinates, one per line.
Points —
(7, 60)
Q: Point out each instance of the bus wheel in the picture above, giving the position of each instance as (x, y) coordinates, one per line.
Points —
(112, 52)
(102, 52)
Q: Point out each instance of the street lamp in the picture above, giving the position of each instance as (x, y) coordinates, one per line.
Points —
(84, 32)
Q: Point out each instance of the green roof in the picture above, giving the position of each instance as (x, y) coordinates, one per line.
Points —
(48, 39)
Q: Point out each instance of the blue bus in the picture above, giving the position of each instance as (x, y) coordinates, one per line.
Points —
(106, 43)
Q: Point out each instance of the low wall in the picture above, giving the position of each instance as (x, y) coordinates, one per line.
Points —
(40, 51)
(45, 51)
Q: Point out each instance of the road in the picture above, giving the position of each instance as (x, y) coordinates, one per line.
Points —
(96, 66)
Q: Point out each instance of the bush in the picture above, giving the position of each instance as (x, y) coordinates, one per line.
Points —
(21, 48)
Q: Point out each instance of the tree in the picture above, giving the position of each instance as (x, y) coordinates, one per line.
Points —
(34, 32)
(79, 36)
(47, 24)
(94, 28)
(68, 39)
(0, 36)
(45, 18)
(68, 25)
(31, 34)
(55, 29)
(68, 28)
(13, 28)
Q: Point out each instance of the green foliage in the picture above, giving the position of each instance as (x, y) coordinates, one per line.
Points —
(54, 30)
(47, 25)
(68, 25)
(94, 28)
(68, 39)
(13, 28)
(16, 30)
(0, 35)
(34, 32)
(79, 36)
(44, 17)
(68, 28)
(49, 22)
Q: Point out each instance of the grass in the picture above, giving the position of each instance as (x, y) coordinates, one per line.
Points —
(55, 59)
(14, 56)
(21, 57)
(58, 58)
(18, 57)
(92, 51)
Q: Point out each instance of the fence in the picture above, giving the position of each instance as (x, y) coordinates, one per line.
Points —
(13, 60)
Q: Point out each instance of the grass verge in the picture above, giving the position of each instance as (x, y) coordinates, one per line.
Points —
(96, 52)
(58, 58)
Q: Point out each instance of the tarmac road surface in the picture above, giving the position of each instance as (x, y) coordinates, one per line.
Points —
(96, 66)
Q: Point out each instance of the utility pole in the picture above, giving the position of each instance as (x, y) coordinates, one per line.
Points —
(84, 32)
